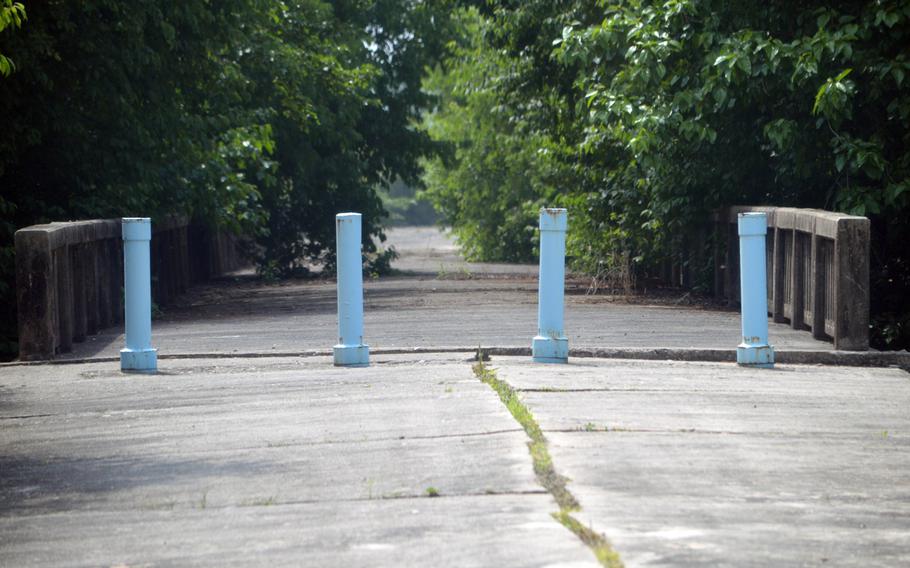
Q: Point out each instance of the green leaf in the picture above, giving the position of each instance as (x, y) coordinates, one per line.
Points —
(6, 66)
(745, 64)
(720, 95)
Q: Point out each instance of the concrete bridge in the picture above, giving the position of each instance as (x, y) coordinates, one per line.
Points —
(437, 302)
(249, 447)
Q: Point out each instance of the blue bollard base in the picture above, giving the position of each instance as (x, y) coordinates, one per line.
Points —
(550, 349)
(351, 355)
(550, 360)
(761, 356)
(139, 360)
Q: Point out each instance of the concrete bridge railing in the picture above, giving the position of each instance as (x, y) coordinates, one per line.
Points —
(818, 271)
(69, 276)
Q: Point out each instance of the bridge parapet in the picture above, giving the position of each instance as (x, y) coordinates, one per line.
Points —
(818, 271)
(69, 276)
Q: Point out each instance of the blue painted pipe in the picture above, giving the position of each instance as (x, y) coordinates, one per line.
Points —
(350, 351)
(551, 345)
(754, 351)
(137, 283)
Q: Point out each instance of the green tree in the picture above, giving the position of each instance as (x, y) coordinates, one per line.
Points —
(349, 103)
(263, 116)
(661, 111)
(492, 181)
(12, 14)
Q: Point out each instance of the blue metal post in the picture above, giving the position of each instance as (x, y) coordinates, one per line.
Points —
(137, 282)
(551, 345)
(350, 351)
(754, 351)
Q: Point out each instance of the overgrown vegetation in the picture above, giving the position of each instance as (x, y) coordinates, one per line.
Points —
(544, 469)
(643, 117)
(12, 14)
(404, 206)
(266, 117)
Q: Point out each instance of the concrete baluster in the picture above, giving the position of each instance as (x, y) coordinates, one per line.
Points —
(350, 351)
(551, 345)
(754, 351)
(137, 281)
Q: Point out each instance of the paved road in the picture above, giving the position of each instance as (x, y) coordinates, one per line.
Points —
(268, 462)
(443, 301)
(289, 461)
(416, 462)
(708, 464)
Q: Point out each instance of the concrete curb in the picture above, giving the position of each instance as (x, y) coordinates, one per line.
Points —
(791, 357)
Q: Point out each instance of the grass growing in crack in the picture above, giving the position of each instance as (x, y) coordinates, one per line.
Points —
(540, 455)
(596, 541)
(546, 474)
(159, 506)
(260, 502)
(592, 427)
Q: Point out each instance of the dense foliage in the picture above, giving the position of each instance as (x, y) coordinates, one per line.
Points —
(11, 16)
(263, 116)
(641, 116)
(644, 116)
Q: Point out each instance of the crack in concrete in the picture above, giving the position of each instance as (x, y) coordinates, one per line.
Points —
(620, 430)
(553, 482)
(27, 416)
(558, 390)
(271, 501)
(393, 438)
(815, 434)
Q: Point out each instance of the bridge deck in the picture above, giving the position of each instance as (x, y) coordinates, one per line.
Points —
(440, 301)
(291, 461)
(415, 462)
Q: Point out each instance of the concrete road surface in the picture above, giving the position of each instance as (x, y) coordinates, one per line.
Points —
(441, 301)
(709, 464)
(415, 462)
(269, 460)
